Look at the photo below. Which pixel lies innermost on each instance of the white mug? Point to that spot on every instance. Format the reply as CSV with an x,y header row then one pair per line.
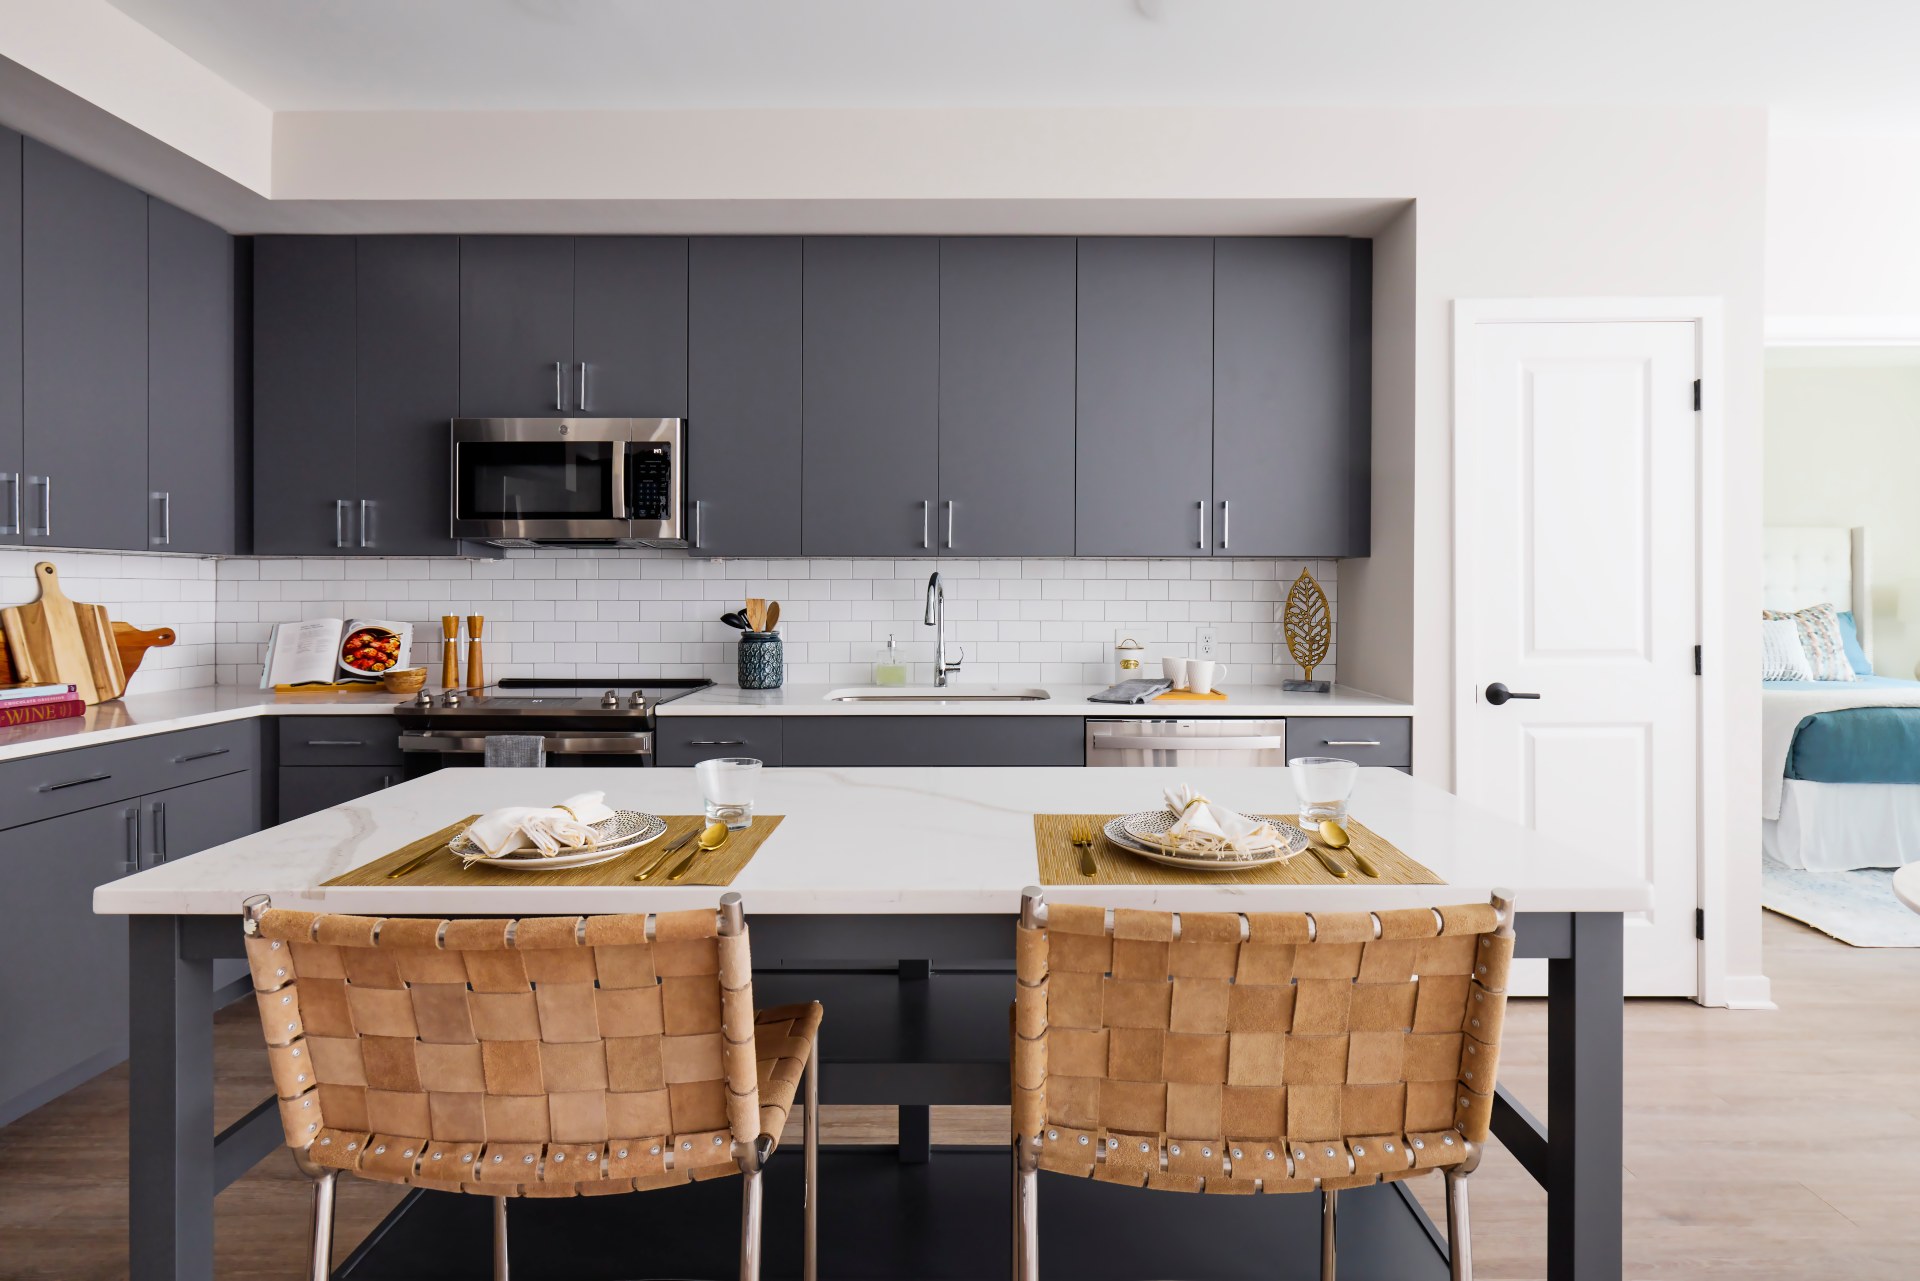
x,y
1175,670
1202,672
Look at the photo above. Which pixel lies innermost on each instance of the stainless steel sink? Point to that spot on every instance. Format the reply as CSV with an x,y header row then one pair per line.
x,y
937,694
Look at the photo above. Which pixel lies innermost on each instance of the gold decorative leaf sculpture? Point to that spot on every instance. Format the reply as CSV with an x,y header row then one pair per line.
x,y
1308,623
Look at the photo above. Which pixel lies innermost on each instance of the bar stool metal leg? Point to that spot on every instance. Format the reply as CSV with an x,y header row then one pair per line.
x,y
499,1238
750,1225
323,1190
1328,1203
1459,1233
810,1267
1026,1214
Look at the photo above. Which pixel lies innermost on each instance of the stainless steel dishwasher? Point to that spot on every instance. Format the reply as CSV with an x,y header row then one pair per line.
x,y
1200,742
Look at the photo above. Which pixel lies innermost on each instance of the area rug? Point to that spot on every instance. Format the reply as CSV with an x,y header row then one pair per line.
x,y
1854,907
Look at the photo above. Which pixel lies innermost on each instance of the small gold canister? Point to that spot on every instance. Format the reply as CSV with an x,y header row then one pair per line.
x,y
1129,660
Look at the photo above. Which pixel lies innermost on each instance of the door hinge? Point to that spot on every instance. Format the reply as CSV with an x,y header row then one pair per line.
x,y
1700,923
1696,660
1696,394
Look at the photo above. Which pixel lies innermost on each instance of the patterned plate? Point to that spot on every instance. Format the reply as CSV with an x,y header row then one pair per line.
x,y
625,832
1294,842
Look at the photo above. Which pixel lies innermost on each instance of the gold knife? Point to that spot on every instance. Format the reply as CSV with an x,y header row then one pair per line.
x,y
412,863
687,862
1326,861
665,854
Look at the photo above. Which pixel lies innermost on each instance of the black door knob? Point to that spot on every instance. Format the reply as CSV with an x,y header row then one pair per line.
x,y
1498,694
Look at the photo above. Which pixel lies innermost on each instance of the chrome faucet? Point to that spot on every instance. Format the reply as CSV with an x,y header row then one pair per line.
x,y
937,619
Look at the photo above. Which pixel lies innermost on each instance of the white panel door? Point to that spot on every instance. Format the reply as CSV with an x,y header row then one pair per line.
x,y
1578,566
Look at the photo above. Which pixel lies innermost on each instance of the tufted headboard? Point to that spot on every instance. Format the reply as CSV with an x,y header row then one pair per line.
x,y
1816,565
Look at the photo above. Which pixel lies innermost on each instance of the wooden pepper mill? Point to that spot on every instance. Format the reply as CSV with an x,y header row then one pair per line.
x,y
449,651
476,667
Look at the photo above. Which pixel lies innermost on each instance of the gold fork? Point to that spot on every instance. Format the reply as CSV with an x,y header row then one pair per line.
x,y
1081,834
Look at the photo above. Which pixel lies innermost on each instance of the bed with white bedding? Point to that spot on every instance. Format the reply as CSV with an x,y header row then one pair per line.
x,y
1841,758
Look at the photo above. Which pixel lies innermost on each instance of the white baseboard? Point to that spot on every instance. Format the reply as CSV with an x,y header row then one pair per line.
x,y
1749,992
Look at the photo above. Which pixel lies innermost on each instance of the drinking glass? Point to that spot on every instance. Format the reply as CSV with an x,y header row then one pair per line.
x,y
1324,785
726,783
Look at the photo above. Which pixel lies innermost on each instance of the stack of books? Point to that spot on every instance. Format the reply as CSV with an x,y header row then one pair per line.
x,y
30,704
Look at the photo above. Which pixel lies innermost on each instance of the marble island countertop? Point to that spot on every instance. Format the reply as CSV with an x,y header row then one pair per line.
x,y
886,841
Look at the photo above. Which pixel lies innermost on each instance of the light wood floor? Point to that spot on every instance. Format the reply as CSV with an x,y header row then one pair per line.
x,y
1758,1146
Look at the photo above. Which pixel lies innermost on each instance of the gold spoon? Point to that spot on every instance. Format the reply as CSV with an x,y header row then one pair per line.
x,y
1336,838
712,838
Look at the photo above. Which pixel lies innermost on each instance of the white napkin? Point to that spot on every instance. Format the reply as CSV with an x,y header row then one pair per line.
x,y
1202,825
548,829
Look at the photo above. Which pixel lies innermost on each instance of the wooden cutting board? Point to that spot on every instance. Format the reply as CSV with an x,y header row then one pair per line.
x,y
61,641
133,644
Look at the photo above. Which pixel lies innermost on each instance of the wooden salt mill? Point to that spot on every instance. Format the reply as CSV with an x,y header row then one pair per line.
x,y
449,651
476,667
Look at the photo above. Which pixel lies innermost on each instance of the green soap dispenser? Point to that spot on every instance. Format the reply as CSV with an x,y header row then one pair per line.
x,y
892,668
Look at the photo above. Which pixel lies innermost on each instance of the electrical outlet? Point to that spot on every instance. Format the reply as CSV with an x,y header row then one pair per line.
x,y
1208,641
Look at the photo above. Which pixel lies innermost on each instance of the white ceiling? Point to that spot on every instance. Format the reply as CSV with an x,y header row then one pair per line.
x,y
1843,65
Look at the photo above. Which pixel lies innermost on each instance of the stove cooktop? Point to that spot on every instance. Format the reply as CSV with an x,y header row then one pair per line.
x,y
569,699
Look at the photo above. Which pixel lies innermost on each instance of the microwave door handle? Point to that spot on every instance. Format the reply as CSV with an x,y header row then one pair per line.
x,y
622,509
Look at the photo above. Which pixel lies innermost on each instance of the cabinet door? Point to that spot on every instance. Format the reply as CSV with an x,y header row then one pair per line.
x,y
408,345
871,395
1006,396
12,443
192,447
304,479
185,820
629,327
848,742
64,1003
1291,408
84,260
308,789
743,395
1144,455
688,740
516,326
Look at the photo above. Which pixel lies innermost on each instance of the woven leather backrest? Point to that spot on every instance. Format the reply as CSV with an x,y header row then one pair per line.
x,y
562,1054
1281,1051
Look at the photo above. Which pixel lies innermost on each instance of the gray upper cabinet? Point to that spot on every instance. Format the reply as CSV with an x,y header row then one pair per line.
x,y
1291,406
305,483
1144,458
629,327
192,447
84,310
12,441
871,395
408,378
744,371
1007,321
516,326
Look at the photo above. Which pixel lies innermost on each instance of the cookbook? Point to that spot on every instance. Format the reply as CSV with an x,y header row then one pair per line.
x,y
329,651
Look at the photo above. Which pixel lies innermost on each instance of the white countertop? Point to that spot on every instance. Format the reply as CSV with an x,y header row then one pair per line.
x,y
160,713
1066,700
888,841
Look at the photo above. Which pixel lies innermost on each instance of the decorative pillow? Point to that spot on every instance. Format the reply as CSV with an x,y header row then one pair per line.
x,y
1820,638
1781,658
1850,636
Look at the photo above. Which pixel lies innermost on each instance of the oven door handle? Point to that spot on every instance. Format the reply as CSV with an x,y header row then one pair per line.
x,y
612,744
1153,743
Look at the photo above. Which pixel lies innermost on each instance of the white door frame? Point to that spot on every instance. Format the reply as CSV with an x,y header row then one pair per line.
x,y
1706,315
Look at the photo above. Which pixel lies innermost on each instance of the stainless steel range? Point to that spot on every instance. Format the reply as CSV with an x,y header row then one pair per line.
x,y
581,720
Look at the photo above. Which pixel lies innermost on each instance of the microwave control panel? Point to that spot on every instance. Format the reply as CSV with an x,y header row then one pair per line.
x,y
650,482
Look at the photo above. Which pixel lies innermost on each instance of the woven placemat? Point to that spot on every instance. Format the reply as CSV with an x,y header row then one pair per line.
x,y
1060,862
442,867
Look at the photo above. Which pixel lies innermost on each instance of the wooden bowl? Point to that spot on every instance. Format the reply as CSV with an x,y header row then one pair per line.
x,y
404,680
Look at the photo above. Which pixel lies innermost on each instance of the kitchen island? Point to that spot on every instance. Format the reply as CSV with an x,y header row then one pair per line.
x,y
890,896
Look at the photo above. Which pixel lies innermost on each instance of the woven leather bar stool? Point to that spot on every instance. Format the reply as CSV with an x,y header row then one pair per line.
x,y
1256,1053
544,1057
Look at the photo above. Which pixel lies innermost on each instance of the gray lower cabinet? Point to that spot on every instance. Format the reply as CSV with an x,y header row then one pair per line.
x,y
855,741
84,317
689,740
1144,457
185,820
192,441
870,395
1291,403
1365,740
1007,324
12,441
308,789
743,395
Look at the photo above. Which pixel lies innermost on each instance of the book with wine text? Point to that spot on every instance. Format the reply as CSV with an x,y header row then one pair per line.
x,y
12,715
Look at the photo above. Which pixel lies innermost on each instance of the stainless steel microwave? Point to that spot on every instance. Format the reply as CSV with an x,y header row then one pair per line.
x,y
570,482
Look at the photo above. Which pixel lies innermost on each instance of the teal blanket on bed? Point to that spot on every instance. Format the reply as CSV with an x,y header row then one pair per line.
x,y
1858,744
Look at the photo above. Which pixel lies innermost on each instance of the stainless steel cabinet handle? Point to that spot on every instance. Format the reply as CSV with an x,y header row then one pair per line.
x,y
696,525
926,524
366,522
132,862
336,742
13,502
1145,742
716,742
339,522
949,524
165,500
202,756
1349,742
73,782
159,831
1201,508
559,384
46,507
581,403
1226,529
